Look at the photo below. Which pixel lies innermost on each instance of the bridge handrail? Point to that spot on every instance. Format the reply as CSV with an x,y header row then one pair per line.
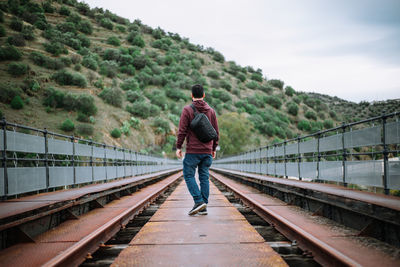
x,y
46,160
351,153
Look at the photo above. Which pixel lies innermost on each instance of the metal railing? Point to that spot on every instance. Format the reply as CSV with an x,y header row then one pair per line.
x,y
45,160
364,153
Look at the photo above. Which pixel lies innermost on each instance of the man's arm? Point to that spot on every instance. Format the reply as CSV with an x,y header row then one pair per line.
x,y
182,131
214,123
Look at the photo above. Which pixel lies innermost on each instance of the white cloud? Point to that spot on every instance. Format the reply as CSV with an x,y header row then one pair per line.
x,y
329,49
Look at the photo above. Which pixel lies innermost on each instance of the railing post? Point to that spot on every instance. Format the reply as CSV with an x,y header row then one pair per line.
x,y
115,163
124,162
318,155
105,160
91,158
284,158
260,159
299,157
266,156
4,122
46,158
344,155
275,160
385,157
73,160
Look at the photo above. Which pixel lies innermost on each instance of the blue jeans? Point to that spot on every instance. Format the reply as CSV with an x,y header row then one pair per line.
x,y
203,162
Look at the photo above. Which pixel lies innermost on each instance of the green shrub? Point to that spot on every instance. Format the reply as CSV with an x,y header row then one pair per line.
x,y
241,77
2,31
8,92
47,7
332,114
316,126
45,61
292,108
289,91
304,125
77,67
309,101
85,129
106,23
67,125
130,84
217,56
82,117
64,11
161,125
99,83
17,103
111,54
175,94
213,74
16,24
135,123
85,104
140,61
89,62
328,124
226,85
55,48
276,83
274,101
17,69
10,52
133,96
252,85
297,100
17,40
113,40
27,33
140,109
257,77
85,26
121,28
116,133
63,77
1,14
112,96
310,115
109,68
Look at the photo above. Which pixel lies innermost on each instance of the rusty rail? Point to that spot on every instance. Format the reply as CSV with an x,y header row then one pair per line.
x,y
323,253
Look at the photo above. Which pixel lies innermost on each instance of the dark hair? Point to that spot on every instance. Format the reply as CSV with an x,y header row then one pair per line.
x,y
197,91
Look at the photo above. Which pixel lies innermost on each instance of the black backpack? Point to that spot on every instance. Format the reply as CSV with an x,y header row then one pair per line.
x,y
202,128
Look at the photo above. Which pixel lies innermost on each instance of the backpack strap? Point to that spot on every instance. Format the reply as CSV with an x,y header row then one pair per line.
x,y
194,109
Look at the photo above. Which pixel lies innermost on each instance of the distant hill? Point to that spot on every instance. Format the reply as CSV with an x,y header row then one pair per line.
x,y
92,73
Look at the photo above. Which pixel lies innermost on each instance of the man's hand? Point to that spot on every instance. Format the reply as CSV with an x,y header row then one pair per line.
x,y
179,153
214,153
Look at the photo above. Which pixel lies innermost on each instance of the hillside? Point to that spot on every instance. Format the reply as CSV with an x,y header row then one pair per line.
x,y
91,73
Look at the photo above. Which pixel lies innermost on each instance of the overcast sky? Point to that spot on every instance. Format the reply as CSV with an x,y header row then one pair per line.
x,y
344,48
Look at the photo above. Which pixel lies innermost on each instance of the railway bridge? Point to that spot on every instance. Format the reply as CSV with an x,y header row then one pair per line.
x,y
326,199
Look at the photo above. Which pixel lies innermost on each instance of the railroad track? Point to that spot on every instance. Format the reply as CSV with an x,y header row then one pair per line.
x,y
328,243
116,228
70,243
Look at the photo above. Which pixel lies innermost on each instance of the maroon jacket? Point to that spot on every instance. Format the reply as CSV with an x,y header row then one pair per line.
x,y
193,145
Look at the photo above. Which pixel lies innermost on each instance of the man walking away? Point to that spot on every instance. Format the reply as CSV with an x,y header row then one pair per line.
x,y
198,154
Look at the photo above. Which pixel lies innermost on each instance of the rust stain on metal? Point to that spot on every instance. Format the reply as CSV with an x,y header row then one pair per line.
x,y
222,238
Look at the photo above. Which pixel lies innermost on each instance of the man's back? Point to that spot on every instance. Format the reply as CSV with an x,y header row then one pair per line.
x,y
193,144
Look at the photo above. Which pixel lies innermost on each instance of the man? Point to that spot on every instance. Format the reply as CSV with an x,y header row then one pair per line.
x,y
198,154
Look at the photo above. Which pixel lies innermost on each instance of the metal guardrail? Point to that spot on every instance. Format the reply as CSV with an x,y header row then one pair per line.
x,y
45,160
363,153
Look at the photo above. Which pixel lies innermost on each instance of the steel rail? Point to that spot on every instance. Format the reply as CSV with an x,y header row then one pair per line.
x,y
323,253
77,253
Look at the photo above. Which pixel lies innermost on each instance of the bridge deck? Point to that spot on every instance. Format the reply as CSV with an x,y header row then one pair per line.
x,y
222,238
64,238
